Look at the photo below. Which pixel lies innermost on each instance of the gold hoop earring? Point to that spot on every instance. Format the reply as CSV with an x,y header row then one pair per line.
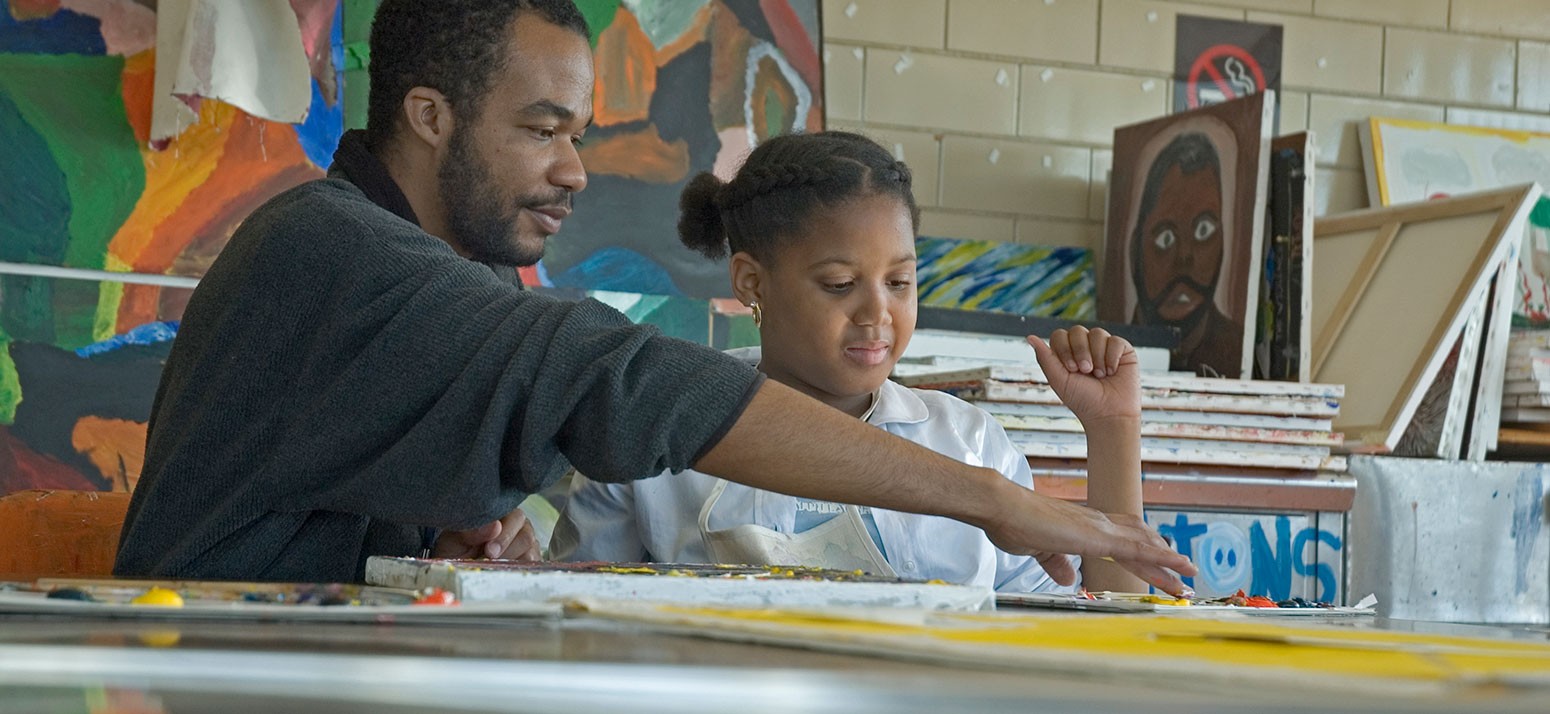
x,y
758,314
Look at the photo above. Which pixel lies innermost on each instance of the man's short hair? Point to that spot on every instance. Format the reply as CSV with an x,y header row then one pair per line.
x,y
452,46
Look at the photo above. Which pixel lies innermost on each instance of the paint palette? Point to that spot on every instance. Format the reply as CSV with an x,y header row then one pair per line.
x,y
476,581
1143,602
328,602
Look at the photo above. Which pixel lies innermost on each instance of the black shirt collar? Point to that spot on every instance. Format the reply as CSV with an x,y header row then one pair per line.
x,y
354,162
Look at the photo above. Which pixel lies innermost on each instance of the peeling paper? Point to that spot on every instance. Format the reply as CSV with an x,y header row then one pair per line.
x,y
248,54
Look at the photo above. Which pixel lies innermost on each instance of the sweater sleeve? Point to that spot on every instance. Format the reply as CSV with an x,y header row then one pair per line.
x,y
427,391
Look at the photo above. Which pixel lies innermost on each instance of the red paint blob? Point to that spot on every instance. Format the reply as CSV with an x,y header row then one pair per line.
x,y
437,596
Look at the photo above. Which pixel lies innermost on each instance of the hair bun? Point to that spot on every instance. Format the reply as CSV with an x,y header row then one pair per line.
x,y
699,216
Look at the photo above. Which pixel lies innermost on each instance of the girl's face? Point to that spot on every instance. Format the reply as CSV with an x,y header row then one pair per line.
x,y
839,302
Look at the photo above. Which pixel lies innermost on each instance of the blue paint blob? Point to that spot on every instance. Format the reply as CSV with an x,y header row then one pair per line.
x,y
150,333
619,269
62,33
319,133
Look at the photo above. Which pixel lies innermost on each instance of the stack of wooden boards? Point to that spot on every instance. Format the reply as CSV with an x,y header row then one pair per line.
x,y
1184,420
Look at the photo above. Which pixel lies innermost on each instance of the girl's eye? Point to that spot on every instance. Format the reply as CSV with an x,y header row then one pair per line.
x,y
838,287
1204,228
900,284
1165,239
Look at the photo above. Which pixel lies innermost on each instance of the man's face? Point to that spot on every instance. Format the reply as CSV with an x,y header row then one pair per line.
x,y
510,171
1181,244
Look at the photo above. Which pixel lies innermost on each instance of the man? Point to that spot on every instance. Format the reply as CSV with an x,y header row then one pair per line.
x,y
1176,256
359,375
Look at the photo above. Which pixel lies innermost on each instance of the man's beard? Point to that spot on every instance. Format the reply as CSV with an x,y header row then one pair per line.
x,y
1150,314
481,222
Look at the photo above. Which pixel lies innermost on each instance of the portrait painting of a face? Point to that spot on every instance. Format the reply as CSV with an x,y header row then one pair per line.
x,y
1185,224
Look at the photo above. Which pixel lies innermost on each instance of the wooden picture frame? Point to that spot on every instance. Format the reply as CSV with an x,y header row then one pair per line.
x,y
1393,287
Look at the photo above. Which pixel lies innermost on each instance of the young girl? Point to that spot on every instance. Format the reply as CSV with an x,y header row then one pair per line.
x,y
821,230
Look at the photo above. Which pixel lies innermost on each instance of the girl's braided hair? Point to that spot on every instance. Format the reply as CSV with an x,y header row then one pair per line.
x,y
783,182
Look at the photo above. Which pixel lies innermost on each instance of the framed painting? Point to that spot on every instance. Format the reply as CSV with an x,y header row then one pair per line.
x,y
1185,230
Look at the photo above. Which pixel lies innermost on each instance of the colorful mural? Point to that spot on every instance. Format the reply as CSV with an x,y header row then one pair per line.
x,y
81,188
1042,281
683,86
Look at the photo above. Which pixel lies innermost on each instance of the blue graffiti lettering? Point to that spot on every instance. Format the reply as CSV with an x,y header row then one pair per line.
x,y
1309,564
1183,534
1272,566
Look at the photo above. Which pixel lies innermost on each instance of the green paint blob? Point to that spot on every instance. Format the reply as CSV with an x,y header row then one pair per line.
x,y
664,22
109,297
599,15
1540,216
10,383
775,120
75,103
34,195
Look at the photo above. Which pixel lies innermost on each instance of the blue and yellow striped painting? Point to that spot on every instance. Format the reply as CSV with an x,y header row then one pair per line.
x,y
1042,281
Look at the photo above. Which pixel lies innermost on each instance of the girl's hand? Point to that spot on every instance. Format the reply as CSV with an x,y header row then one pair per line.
x,y
1096,374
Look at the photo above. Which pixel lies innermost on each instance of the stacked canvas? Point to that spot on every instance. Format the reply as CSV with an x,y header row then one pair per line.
x,y
1526,395
1184,420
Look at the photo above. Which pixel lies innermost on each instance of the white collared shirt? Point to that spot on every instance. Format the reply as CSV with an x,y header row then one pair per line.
x,y
655,519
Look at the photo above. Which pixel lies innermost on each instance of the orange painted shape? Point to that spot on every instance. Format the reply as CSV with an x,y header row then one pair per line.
x,y
171,175
60,533
139,305
115,446
626,73
139,78
730,44
255,152
33,9
641,155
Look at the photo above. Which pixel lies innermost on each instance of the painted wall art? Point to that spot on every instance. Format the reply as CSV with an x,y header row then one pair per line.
x,y
82,189
1185,230
1041,281
683,86
1417,161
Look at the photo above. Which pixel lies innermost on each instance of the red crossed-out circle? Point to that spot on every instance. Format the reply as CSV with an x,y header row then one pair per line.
x,y
1205,67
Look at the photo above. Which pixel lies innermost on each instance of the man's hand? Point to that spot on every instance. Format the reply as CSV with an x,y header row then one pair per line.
x,y
1095,374
510,538
1046,528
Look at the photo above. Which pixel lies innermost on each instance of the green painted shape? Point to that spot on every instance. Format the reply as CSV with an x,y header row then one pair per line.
x,y
775,121
681,317
34,194
76,104
27,308
665,21
109,297
357,19
739,331
357,96
10,383
75,310
1540,216
599,15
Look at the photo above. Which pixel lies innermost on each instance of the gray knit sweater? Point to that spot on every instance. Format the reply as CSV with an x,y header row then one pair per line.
x,y
343,382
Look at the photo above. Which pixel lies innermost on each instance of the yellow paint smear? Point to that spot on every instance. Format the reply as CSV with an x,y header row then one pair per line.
x,y
171,175
1230,643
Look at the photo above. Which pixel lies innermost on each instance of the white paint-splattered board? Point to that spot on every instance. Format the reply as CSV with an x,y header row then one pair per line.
x,y
743,586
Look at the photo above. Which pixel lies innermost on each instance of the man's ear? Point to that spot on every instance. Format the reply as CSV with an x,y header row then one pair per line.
x,y
749,278
429,116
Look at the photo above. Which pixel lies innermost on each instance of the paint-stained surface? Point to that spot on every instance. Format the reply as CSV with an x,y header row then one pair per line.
x,y
1042,281
683,86
81,188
